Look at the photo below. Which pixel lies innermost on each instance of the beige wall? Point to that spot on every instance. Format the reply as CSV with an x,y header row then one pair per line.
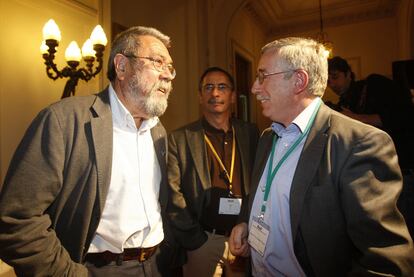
x,y
24,87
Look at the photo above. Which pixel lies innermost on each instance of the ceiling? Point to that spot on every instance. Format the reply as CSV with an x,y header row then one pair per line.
x,y
280,17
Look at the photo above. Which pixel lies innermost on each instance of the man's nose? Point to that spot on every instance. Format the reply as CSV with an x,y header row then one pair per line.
x,y
167,75
215,92
255,87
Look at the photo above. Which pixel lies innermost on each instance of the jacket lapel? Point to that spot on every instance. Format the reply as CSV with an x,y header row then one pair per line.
x,y
198,151
308,165
160,144
101,128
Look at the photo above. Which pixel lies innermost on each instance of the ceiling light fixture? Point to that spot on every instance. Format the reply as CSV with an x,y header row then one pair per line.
x,y
322,36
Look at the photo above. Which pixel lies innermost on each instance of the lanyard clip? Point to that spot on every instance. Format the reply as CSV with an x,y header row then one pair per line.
x,y
261,217
262,211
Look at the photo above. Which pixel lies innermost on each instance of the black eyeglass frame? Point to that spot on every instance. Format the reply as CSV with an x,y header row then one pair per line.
x,y
158,64
261,76
222,87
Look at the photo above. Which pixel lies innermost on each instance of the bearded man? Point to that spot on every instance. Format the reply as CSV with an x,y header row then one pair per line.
x,y
86,189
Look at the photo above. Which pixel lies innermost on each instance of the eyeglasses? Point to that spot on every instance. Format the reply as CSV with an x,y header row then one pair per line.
x,y
158,64
261,76
209,88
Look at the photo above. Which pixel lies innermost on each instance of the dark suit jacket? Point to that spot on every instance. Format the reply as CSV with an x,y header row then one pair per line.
x,y
56,186
343,200
189,177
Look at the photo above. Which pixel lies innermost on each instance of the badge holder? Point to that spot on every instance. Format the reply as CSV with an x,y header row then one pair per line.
x,y
258,235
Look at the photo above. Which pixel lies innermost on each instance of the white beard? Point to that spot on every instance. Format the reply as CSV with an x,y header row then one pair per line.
x,y
148,98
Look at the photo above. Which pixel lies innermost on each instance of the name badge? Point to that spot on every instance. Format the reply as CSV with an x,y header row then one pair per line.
x,y
230,206
258,234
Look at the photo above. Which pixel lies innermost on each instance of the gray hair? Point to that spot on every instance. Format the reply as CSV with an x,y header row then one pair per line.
x,y
127,42
306,54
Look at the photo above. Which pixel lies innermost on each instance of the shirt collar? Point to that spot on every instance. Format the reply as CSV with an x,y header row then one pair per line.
x,y
300,122
122,118
211,129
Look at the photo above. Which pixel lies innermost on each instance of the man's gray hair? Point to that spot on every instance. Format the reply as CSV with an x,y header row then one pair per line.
x,y
306,54
127,42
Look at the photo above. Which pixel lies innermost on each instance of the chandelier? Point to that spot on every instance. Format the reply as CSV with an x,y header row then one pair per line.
x,y
322,36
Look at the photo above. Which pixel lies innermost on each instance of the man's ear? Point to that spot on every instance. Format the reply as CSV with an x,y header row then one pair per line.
x,y
301,80
120,66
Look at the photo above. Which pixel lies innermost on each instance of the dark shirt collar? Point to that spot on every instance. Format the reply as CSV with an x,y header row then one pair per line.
x,y
210,129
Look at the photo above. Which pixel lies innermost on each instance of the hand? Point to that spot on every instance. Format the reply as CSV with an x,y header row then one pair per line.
x,y
238,240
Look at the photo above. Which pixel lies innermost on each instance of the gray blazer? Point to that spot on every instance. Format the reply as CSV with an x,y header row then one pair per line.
x,y
189,177
55,189
343,200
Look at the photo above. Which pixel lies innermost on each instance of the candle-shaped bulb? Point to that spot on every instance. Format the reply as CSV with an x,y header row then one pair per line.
x,y
73,53
51,31
44,48
87,49
98,36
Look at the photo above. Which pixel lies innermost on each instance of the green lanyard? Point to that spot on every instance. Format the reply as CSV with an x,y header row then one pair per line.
x,y
272,173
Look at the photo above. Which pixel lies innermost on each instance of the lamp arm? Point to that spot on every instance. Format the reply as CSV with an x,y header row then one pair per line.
x,y
74,75
52,71
98,68
84,74
71,72
51,68
49,60
70,87
99,49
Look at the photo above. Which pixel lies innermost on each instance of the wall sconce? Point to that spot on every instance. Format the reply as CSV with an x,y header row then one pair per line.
x,y
91,49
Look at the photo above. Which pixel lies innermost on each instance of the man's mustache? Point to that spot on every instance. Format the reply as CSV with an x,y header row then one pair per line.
x,y
164,86
215,101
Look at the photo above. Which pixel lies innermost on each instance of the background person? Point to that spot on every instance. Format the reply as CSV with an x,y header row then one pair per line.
x,y
209,167
381,102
